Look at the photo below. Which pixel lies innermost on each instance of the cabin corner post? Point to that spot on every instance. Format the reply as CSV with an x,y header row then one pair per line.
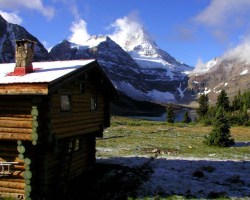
x,y
27,174
35,122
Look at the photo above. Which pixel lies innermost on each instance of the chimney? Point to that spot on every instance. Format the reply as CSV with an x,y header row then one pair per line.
x,y
24,57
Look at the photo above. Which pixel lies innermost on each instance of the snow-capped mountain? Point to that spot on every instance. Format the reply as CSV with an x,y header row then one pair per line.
x,y
155,84
9,33
147,54
232,75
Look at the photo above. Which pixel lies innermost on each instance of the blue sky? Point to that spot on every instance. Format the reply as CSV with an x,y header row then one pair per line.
x,y
190,30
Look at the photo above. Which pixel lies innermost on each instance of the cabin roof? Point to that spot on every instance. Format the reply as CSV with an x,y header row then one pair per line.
x,y
43,72
47,77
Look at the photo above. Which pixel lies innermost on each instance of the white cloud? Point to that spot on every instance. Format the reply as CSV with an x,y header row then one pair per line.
x,y
224,17
36,5
79,32
240,52
224,12
11,17
127,27
199,65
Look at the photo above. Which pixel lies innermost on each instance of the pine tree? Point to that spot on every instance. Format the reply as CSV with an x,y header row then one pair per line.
x,y
223,101
236,103
186,118
203,105
170,114
220,135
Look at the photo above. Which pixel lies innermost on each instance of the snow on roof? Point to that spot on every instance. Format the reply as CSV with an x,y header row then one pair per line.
x,y
43,72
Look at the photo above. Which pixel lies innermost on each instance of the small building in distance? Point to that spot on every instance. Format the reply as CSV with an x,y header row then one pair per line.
x,y
50,114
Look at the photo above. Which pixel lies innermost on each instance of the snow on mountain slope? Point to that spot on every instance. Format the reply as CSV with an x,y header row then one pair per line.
x,y
154,83
231,75
143,49
204,68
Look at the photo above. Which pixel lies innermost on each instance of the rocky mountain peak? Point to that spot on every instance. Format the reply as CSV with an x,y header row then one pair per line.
x,y
9,33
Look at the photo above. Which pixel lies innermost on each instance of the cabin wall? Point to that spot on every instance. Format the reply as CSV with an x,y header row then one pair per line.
x,y
80,124
80,119
15,118
16,125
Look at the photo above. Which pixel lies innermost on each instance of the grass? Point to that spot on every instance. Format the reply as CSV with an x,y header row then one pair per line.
x,y
127,137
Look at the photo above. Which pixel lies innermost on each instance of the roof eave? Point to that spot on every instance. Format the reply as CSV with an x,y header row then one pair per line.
x,y
24,89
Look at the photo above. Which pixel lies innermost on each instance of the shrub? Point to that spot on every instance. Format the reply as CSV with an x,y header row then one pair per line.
x,y
170,114
220,135
198,174
186,118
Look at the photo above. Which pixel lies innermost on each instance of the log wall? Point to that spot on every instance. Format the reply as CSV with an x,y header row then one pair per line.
x,y
80,119
15,118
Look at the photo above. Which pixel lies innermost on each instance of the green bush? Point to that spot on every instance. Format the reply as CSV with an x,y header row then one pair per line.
x,y
220,135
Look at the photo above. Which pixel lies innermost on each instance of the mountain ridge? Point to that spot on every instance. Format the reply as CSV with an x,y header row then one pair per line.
x,y
11,32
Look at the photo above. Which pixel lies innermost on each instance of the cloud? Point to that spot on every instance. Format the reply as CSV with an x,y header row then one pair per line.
x,y
79,32
221,12
240,52
184,33
11,17
199,65
36,5
126,28
221,16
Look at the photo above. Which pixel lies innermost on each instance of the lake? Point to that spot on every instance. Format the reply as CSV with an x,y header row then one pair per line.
x,y
179,113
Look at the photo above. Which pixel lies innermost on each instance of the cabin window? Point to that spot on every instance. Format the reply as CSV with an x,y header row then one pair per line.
x,y
74,144
82,88
65,103
93,103
77,144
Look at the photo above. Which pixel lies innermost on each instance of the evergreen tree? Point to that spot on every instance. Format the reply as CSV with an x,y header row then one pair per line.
x,y
223,101
170,114
220,135
236,103
186,118
203,105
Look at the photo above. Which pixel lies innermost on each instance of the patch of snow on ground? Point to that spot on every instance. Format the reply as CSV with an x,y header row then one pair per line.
x,y
176,175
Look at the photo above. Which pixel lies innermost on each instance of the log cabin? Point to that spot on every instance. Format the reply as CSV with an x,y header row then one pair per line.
x,y
50,115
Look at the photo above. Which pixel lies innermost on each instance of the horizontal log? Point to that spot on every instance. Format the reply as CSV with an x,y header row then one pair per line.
x,y
15,117
15,136
25,88
17,174
11,179
15,124
72,129
76,122
8,116
14,185
75,133
15,130
10,190
8,148
8,158
59,117
16,104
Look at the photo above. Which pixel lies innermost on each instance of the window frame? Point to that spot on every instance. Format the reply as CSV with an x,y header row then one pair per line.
x,y
65,103
93,103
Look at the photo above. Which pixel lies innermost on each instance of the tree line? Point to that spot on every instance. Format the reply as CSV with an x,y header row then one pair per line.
x,y
236,110
222,116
